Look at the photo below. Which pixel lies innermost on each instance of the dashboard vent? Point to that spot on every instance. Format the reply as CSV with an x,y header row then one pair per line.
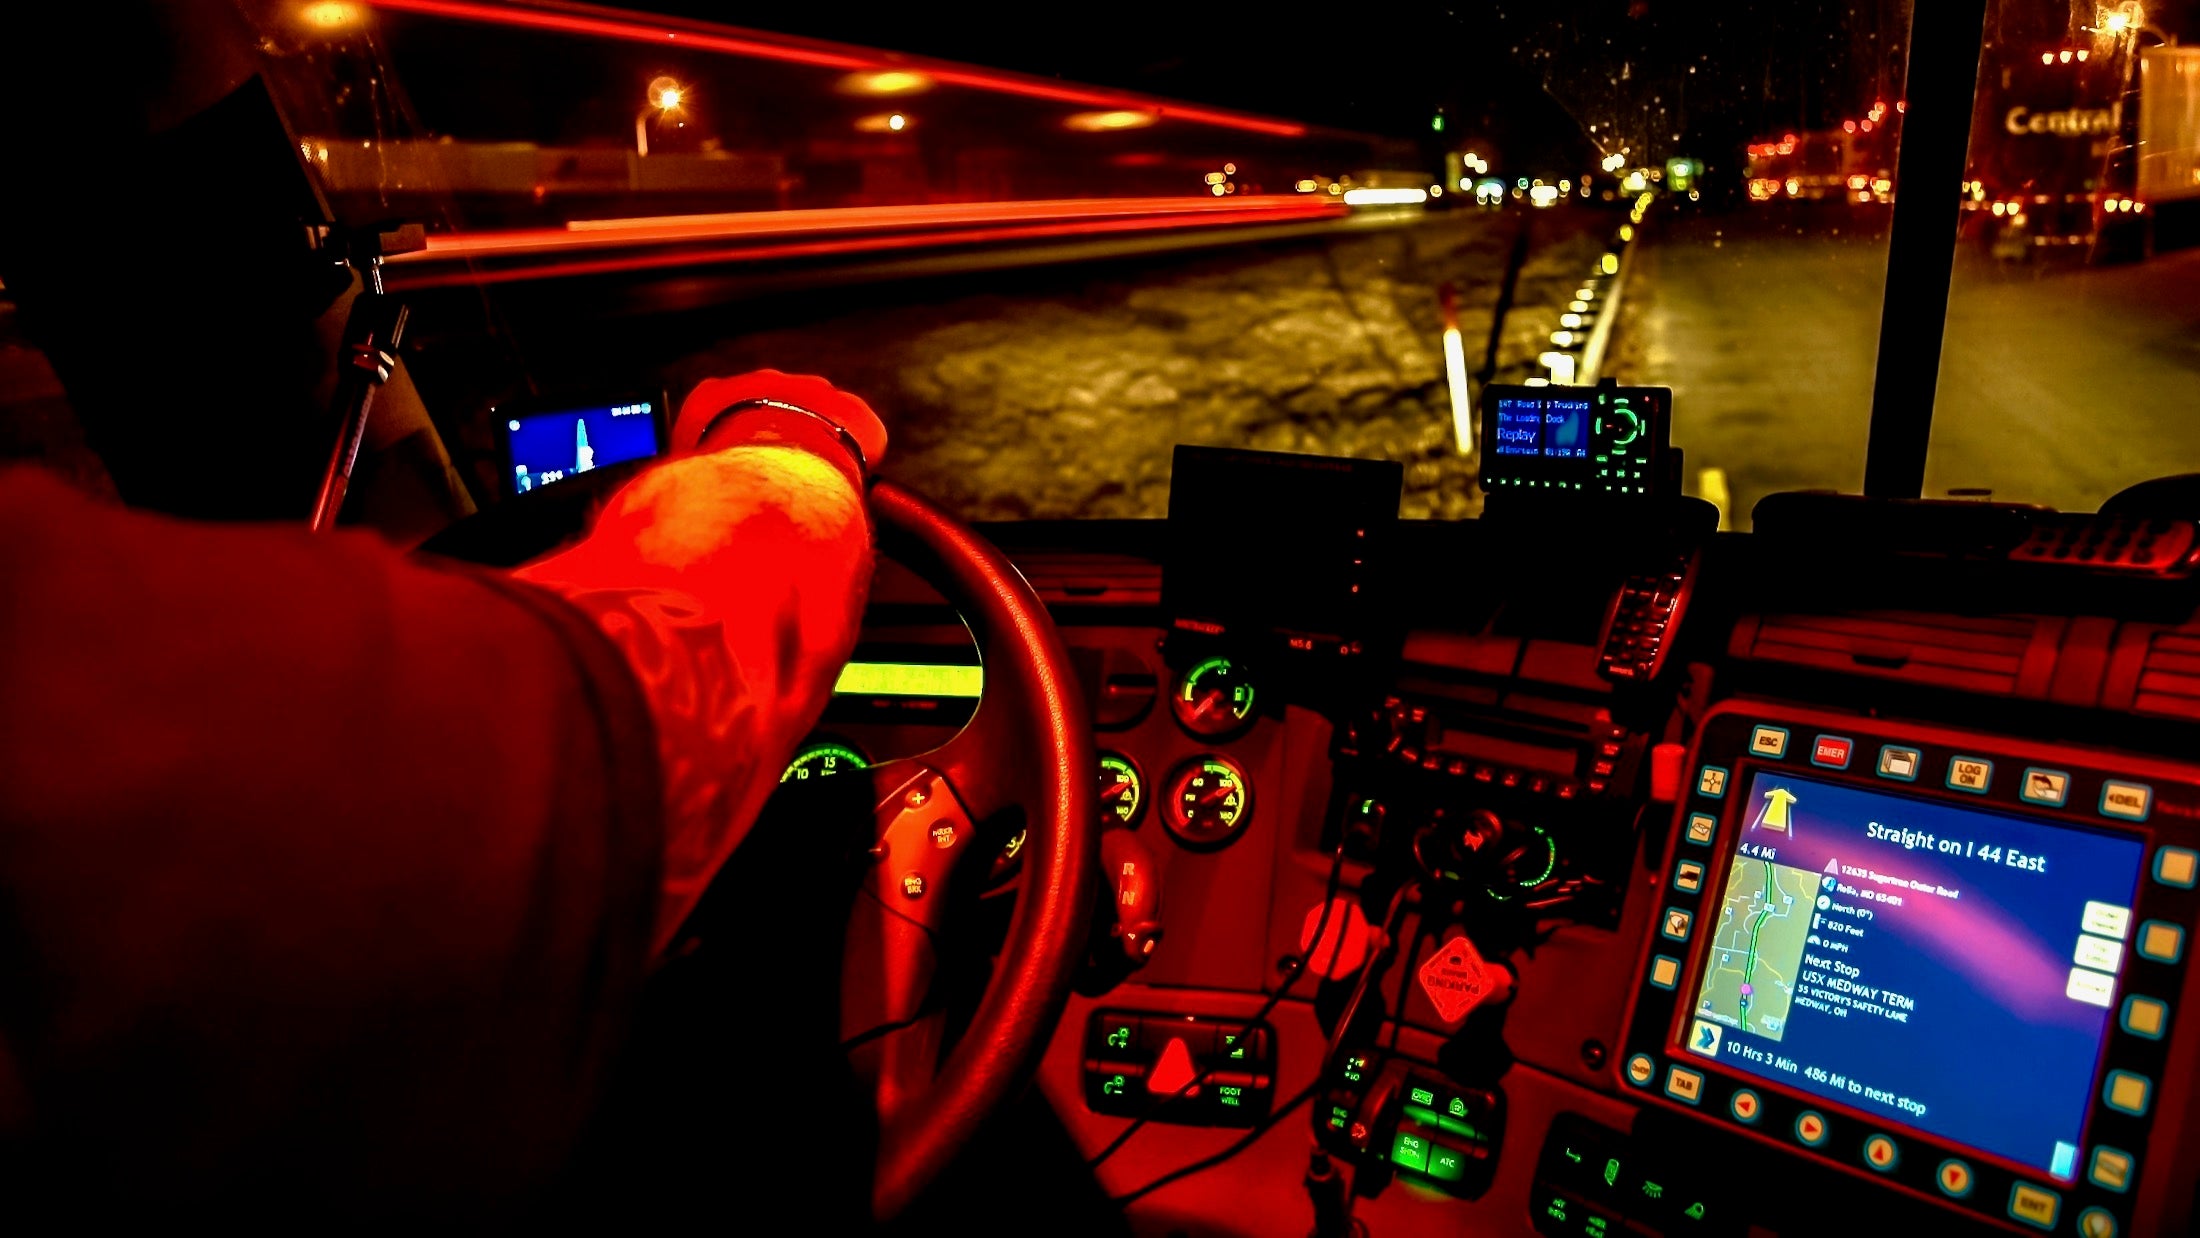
x,y
1092,580
2169,677
1986,655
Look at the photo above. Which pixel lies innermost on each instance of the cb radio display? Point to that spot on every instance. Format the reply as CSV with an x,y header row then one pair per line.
x,y
1606,441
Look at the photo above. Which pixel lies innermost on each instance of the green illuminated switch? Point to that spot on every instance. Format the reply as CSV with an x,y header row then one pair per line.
x,y
1446,1164
1411,1151
1113,1036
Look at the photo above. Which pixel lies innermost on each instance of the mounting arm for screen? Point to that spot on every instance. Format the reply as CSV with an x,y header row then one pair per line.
x,y
367,355
1946,38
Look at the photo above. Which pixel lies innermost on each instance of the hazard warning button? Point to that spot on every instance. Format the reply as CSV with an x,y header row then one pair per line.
x,y
1457,979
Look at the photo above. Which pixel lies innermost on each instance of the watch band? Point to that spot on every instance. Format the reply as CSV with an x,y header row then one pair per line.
x,y
847,440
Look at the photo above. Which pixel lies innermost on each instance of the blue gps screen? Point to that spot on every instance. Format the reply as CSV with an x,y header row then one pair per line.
x,y
1566,428
1519,427
1555,426
1950,968
548,447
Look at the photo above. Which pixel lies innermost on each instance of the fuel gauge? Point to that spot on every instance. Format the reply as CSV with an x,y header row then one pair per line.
x,y
1214,700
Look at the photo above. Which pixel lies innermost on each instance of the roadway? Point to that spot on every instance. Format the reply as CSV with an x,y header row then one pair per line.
x,y
2060,384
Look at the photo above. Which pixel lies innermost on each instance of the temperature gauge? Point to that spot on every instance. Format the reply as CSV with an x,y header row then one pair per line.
x,y
1214,700
1122,791
1207,802
823,758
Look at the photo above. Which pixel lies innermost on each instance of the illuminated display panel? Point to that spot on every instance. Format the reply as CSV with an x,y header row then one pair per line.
x,y
546,447
925,679
1939,966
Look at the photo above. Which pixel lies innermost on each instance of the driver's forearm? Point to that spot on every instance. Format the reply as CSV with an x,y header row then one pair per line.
x,y
734,584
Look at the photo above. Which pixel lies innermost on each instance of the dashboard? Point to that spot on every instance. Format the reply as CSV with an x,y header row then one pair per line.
x,y
1611,874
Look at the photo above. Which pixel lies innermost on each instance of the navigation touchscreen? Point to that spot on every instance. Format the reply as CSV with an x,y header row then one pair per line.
x,y
1952,969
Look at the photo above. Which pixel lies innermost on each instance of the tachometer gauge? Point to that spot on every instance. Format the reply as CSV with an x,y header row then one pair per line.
x,y
1122,791
1207,802
1214,699
823,758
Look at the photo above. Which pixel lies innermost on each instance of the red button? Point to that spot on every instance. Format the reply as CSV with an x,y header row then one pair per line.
x,y
1831,750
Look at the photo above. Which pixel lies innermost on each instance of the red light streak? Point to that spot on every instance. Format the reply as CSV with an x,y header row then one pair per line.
x,y
608,24
1237,215
758,225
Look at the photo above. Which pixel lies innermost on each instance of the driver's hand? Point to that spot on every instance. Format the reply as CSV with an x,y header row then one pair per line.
x,y
700,426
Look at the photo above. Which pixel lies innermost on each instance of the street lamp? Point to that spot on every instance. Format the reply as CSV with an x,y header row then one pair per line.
x,y
664,99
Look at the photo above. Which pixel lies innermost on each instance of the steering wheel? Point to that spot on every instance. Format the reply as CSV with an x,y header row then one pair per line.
x,y
1028,746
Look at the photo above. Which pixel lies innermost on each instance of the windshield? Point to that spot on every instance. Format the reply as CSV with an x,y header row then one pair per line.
x,y
1048,262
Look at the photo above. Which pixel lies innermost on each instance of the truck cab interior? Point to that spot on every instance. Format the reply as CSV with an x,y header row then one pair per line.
x,y
1265,846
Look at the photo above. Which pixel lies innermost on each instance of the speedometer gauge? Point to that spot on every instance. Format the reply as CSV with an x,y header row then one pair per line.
x,y
1207,802
823,758
1122,791
1214,699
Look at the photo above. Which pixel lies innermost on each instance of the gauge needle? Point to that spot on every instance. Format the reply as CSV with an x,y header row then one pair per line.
x,y
1213,795
1115,790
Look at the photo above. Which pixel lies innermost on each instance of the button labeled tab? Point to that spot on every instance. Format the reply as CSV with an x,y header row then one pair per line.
x,y
2128,801
1701,828
1688,876
1711,782
2034,1205
1973,774
1684,1085
1831,751
2044,786
1899,763
1768,741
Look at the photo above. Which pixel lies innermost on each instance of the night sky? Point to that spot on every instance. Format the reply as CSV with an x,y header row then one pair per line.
x,y
1656,74
1662,76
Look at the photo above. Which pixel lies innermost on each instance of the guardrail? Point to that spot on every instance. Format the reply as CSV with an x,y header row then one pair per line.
x,y
1576,355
